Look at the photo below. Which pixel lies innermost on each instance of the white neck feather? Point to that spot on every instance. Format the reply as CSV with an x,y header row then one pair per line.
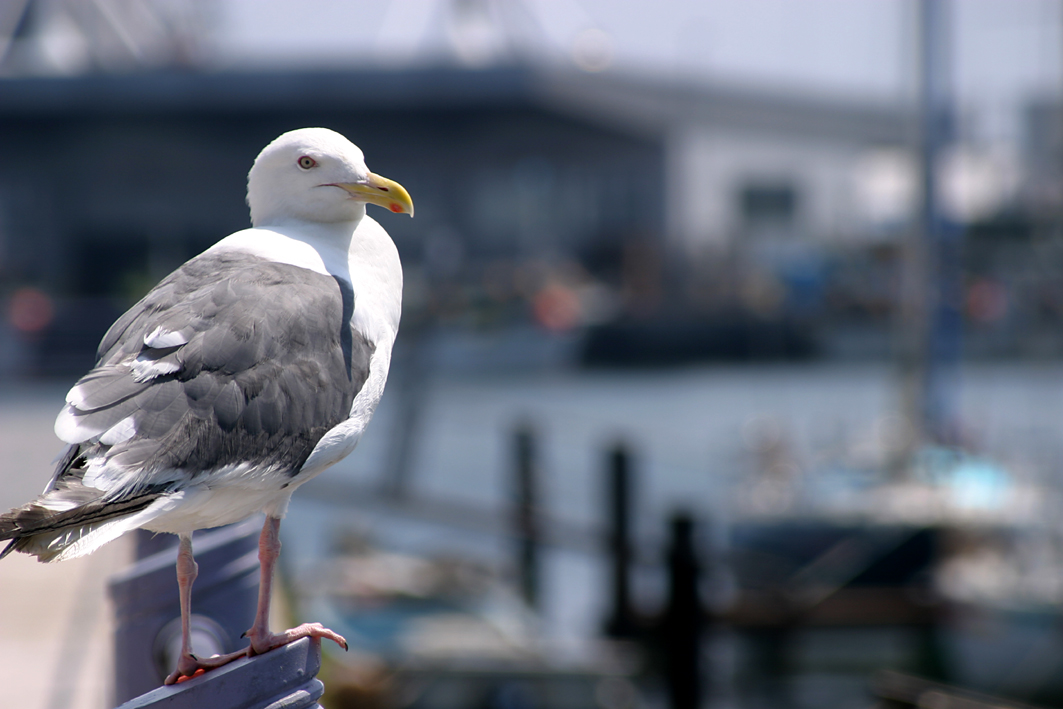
x,y
360,253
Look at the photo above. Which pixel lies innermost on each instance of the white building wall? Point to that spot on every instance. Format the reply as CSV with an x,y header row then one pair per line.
x,y
708,166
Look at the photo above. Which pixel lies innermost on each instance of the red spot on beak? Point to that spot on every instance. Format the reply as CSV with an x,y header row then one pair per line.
x,y
397,208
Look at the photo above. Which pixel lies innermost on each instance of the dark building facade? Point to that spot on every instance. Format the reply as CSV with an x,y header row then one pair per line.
x,y
108,179
109,182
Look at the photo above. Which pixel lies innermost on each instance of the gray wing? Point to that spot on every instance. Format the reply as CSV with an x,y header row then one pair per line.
x,y
231,359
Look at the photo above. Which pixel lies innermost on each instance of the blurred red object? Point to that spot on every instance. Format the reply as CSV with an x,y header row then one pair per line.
x,y
557,308
30,310
987,300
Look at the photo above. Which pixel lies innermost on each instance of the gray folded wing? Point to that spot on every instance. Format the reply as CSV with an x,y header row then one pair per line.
x,y
231,359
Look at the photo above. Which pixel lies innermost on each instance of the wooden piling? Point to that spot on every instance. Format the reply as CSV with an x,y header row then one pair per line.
x,y
684,618
621,621
526,494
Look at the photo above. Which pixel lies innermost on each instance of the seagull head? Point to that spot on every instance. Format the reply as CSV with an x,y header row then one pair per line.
x,y
317,175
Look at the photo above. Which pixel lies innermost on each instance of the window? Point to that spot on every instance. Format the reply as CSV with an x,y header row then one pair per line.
x,y
771,206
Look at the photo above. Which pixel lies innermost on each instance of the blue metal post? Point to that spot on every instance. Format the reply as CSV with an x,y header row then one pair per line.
x,y
285,678
147,610
942,236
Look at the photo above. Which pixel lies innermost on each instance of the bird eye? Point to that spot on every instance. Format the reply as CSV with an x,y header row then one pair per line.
x,y
306,162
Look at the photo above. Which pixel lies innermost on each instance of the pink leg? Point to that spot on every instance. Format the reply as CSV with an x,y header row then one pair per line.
x,y
188,664
262,640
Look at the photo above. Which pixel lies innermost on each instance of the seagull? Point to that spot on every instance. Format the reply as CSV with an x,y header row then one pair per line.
x,y
242,375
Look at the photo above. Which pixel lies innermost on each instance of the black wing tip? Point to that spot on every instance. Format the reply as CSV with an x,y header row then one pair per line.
x,y
12,546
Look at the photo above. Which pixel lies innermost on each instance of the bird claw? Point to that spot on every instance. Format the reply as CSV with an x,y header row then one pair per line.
x,y
190,666
263,643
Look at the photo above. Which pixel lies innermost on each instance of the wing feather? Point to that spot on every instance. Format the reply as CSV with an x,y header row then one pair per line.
x,y
231,359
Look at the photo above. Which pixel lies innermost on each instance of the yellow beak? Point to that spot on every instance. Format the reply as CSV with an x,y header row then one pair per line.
x,y
382,192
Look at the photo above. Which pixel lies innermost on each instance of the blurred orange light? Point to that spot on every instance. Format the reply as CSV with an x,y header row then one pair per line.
x,y
30,310
987,301
557,308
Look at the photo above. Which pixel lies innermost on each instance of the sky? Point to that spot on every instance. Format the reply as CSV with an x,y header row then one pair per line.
x,y
1004,52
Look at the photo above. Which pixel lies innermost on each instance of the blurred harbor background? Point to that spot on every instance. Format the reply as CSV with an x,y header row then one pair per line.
x,y
797,266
